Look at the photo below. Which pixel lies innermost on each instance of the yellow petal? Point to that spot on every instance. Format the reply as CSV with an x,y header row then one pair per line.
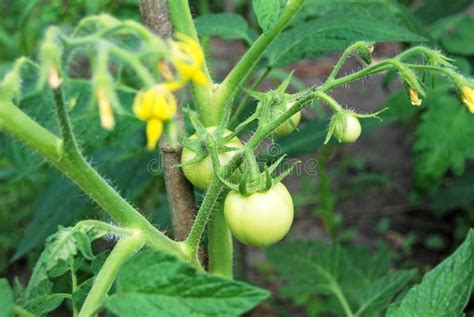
x,y
154,128
200,78
173,85
105,110
414,99
141,109
468,98
164,105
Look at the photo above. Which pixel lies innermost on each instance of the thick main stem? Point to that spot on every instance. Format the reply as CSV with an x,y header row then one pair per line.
x,y
124,249
178,189
20,126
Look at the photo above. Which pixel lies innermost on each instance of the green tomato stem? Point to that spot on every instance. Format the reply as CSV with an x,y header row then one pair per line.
x,y
21,312
124,249
243,103
341,61
194,238
20,126
252,56
69,141
220,249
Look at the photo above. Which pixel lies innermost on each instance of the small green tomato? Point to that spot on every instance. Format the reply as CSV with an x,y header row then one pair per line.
x,y
289,125
347,129
260,219
200,174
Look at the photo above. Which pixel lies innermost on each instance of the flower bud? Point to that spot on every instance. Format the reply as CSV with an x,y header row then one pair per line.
x,y
467,97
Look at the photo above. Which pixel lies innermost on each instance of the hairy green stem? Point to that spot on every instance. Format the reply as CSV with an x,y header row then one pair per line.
x,y
21,312
208,204
20,126
182,19
243,103
341,61
220,249
253,56
125,248
69,141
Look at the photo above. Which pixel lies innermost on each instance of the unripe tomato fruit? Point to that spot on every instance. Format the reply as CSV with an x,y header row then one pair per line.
x,y
260,219
289,125
200,174
348,129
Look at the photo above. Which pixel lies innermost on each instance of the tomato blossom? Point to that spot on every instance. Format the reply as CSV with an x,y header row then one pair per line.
x,y
154,105
467,96
414,98
105,109
187,58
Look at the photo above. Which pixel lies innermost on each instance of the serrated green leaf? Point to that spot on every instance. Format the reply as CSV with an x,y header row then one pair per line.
x,y
444,291
40,299
82,290
155,284
444,139
456,193
60,249
379,294
267,12
6,299
455,34
314,266
432,10
226,25
335,25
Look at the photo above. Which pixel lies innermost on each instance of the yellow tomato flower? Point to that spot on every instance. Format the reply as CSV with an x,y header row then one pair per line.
x,y
468,98
188,58
154,128
414,98
155,103
105,109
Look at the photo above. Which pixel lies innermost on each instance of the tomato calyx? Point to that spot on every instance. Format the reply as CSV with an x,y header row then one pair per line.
x,y
345,125
252,180
199,142
273,104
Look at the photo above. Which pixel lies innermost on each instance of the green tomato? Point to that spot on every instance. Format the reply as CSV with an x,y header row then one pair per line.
x,y
289,125
200,174
260,219
347,129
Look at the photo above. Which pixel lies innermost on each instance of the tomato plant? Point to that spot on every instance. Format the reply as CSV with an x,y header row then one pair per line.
x,y
136,77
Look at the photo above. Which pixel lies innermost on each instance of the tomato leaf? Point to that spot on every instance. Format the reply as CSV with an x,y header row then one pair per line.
x,y
226,25
357,274
322,27
6,299
455,34
379,294
448,147
155,284
268,12
445,291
